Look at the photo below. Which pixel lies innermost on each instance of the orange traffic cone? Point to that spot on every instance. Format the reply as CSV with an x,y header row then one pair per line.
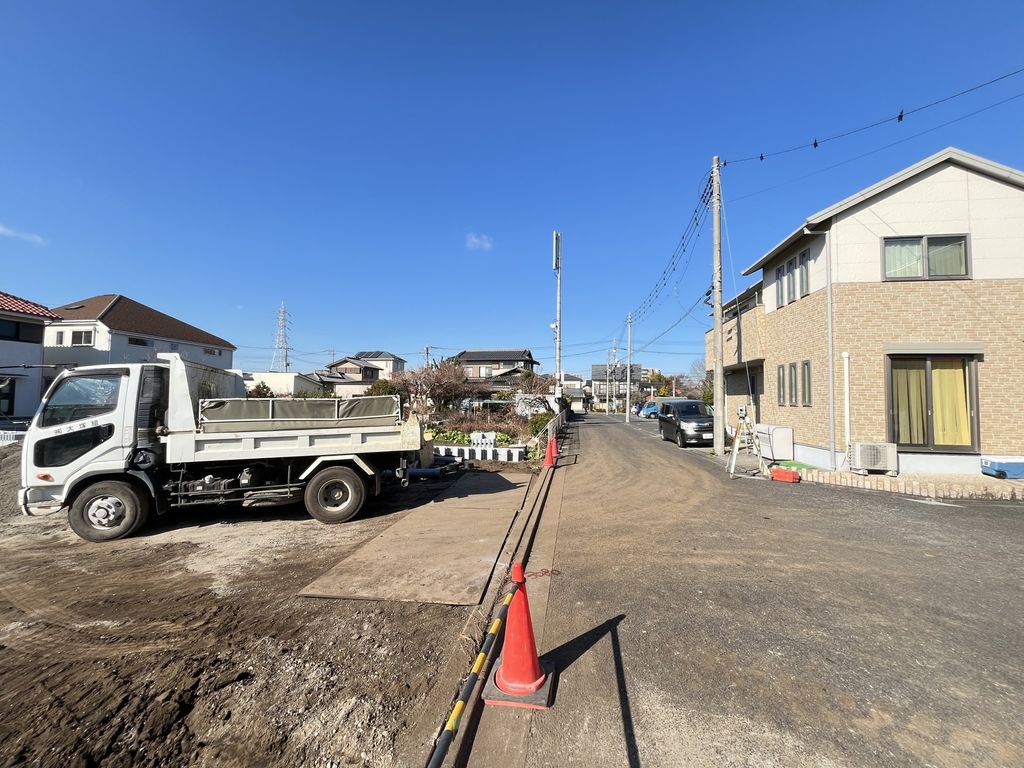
x,y
520,678
554,444
549,456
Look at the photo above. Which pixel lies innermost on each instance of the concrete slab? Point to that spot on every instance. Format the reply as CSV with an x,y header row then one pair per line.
x,y
443,552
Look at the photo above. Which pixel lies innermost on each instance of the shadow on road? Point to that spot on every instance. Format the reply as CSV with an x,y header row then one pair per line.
x,y
566,655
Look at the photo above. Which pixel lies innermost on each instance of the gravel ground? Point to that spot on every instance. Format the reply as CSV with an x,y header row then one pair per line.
x,y
187,646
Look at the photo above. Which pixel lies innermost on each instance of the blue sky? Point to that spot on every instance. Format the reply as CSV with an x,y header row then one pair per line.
x,y
393,171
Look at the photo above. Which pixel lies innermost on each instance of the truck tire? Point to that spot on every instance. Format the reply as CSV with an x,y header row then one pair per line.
x,y
108,510
334,495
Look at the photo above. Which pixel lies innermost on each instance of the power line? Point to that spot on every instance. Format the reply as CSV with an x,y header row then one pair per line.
x,y
880,149
897,118
693,226
699,300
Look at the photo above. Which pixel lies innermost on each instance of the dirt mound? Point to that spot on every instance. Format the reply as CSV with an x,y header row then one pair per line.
x,y
10,462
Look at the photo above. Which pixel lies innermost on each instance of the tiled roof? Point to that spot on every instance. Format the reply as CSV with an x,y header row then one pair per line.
x,y
377,355
119,313
11,303
494,355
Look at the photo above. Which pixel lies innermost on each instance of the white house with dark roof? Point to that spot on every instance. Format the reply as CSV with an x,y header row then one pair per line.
x,y
388,363
348,377
112,328
22,327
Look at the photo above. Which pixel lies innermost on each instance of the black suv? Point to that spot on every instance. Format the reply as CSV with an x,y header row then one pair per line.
x,y
688,422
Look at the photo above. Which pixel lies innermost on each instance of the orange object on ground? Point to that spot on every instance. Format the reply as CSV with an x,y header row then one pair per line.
x,y
785,475
549,456
520,679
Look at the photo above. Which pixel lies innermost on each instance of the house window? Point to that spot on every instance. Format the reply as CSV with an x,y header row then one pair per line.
x,y
60,338
792,383
791,281
805,273
485,370
469,371
778,288
7,397
135,341
211,352
805,382
8,329
932,403
925,258
81,338
780,384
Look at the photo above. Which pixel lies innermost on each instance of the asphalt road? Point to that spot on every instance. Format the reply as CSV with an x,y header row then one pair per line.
x,y
705,621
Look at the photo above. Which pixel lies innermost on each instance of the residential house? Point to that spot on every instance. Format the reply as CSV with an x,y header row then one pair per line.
x,y
283,382
610,381
895,315
22,327
112,328
348,377
388,363
496,367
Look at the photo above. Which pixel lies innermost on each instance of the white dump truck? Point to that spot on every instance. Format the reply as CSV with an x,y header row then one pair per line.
x,y
116,443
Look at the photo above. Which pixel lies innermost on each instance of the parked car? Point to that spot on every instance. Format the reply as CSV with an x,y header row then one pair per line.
x,y
649,411
687,422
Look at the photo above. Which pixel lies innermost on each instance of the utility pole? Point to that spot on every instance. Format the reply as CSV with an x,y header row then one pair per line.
x,y
426,355
556,265
629,363
716,286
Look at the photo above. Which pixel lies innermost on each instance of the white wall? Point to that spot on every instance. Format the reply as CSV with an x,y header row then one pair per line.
x,y
946,200
113,347
28,381
280,382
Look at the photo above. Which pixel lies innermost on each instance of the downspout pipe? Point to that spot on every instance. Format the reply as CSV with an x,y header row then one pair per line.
x,y
846,402
831,344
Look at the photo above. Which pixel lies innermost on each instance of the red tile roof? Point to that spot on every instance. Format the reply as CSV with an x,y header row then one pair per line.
x,y
11,303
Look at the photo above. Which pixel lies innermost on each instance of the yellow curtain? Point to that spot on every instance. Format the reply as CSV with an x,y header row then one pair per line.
x,y
950,418
908,397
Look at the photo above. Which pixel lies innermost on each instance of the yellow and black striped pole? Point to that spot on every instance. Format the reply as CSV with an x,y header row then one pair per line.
x,y
451,727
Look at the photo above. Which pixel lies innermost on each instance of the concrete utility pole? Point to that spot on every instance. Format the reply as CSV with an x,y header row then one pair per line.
x,y
426,355
629,364
716,286
556,264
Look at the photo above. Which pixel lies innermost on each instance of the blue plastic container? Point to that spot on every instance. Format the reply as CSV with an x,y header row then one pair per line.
x,y
1012,469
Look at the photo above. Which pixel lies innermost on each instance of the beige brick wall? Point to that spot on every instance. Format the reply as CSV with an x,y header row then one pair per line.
x,y
991,312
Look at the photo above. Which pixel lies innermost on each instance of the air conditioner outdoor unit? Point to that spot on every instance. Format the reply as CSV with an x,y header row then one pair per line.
x,y
873,456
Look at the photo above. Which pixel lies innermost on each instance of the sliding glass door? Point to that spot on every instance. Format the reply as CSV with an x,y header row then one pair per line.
x,y
932,403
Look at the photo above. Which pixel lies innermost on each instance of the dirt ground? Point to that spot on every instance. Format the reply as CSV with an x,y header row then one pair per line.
x,y
187,646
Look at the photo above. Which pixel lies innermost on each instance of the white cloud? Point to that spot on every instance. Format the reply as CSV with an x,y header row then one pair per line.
x,y
481,242
28,237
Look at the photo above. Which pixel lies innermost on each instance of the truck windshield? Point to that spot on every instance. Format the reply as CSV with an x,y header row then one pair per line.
x,y
81,397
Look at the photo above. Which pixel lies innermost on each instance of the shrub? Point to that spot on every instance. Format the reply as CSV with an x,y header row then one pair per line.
x,y
261,390
383,387
537,423
451,437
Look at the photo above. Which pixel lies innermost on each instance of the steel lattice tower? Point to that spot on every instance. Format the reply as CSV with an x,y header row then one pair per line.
x,y
281,342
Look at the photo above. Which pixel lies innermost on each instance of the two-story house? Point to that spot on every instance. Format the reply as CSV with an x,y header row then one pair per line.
x,y
388,363
347,377
895,315
111,328
496,367
22,326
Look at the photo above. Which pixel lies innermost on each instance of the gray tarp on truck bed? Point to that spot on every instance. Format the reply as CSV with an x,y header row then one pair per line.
x,y
237,415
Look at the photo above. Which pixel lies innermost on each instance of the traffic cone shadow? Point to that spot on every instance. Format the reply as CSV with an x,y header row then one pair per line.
x,y
520,678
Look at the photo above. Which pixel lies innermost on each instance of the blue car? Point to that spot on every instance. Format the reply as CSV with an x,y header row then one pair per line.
x,y
649,411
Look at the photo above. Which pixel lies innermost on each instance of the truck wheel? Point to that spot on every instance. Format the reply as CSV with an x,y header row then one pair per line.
x,y
334,495
108,510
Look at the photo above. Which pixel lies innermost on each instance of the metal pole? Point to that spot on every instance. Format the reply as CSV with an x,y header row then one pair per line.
x,y
608,383
557,264
716,285
629,363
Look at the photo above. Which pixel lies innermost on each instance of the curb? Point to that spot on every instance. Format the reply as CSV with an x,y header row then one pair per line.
x,y
942,490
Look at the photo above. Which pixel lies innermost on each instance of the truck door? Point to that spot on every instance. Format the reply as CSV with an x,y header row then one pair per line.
x,y
81,424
